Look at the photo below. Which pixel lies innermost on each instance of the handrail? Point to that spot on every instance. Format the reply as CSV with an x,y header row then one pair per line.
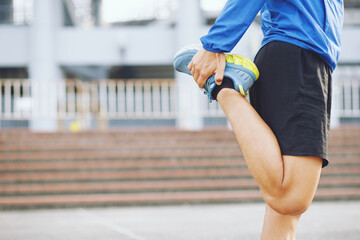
x,y
132,99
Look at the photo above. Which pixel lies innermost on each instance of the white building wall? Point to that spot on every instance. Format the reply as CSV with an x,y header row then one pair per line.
x,y
143,45
14,46
350,51
154,44
131,45
121,45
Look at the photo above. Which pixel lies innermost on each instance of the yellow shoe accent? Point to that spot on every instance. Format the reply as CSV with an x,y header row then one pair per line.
x,y
243,61
242,90
239,60
229,58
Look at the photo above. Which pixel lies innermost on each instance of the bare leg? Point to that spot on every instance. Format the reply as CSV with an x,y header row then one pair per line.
x,y
257,142
278,226
288,183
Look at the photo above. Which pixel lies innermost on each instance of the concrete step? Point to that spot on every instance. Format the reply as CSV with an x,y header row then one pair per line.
x,y
349,133
158,198
13,166
170,153
148,167
176,173
170,141
155,186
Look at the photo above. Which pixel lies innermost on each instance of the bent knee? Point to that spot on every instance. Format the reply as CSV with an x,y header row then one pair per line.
x,y
292,208
301,177
289,206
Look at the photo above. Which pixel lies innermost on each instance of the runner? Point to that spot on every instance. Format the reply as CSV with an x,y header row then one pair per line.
x,y
283,133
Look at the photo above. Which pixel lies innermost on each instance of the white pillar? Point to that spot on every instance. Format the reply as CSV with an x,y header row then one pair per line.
x,y
335,107
188,31
43,69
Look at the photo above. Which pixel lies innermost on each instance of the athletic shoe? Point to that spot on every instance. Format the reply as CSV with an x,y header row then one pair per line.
x,y
240,70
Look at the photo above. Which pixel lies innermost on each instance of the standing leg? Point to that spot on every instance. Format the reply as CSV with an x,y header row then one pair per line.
x,y
278,226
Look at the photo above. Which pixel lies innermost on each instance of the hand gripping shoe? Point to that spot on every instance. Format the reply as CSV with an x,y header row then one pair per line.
x,y
240,70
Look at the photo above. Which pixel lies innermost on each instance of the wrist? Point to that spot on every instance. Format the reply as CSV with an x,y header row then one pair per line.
x,y
209,49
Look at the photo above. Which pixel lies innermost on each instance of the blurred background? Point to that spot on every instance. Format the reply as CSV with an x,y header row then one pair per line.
x,y
90,64
92,112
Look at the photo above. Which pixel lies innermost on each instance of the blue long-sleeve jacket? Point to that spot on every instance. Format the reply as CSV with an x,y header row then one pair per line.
x,y
311,24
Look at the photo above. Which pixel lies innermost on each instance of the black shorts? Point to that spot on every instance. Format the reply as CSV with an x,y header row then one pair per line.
x,y
293,96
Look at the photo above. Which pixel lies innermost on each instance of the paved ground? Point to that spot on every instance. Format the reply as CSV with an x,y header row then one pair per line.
x,y
324,220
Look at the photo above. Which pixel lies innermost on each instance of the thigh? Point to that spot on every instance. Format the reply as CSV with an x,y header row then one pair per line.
x,y
301,177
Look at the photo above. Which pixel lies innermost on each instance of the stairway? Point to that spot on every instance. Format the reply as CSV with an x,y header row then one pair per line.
x,y
166,166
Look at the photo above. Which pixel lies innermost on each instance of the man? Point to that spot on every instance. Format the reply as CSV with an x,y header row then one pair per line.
x,y
283,133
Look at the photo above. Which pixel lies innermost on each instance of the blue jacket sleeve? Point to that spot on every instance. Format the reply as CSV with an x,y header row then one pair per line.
x,y
231,25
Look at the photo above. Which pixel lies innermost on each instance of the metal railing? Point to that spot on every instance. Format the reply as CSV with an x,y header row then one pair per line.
x,y
103,99
16,12
131,99
349,98
117,99
15,100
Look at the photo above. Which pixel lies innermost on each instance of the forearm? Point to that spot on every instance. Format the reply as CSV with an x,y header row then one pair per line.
x,y
230,26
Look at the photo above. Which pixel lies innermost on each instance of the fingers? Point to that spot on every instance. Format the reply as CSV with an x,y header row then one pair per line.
x,y
204,64
201,79
219,72
190,66
199,74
